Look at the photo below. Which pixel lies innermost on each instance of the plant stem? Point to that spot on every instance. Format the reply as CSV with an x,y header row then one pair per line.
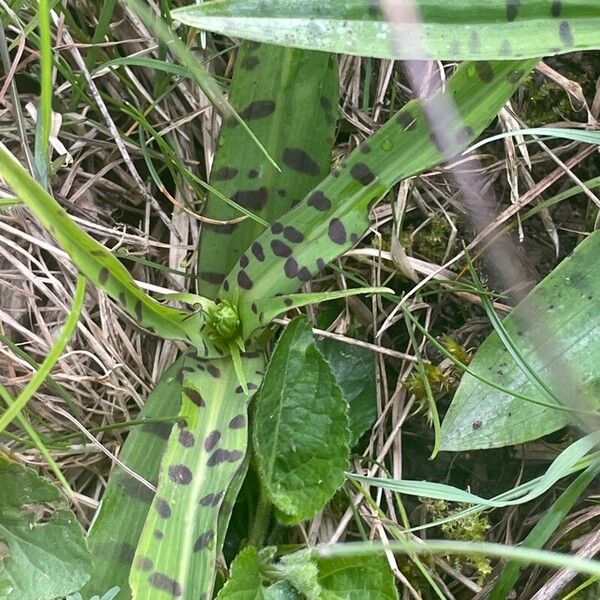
x,y
261,520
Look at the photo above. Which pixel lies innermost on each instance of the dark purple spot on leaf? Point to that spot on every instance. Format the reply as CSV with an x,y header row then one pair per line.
x,y
304,274
212,277
238,422
244,261
158,534
103,275
258,109
337,231
512,8
180,474
221,455
280,248
213,370
161,429
163,508
566,35
134,488
484,71
365,148
321,264
138,310
253,308
164,583
252,173
204,540
277,227
291,234
319,201
361,172
223,174
300,161
143,563
211,499
288,301
194,396
244,281
251,199
186,438
212,439
122,299
258,252
556,8
290,268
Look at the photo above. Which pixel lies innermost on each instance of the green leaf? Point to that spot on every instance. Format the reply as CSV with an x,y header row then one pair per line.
x,y
42,556
493,29
482,416
301,572
271,89
366,577
245,581
120,518
100,266
354,369
300,433
331,219
281,590
177,550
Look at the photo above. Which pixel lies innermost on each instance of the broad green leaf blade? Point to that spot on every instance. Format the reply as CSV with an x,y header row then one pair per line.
x,y
475,30
484,417
245,580
367,577
100,266
271,88
120,518
176,554
300,433
354,369
42,558
331,218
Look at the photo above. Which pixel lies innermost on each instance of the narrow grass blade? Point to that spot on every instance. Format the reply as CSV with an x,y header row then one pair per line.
x,y
544,528
491,29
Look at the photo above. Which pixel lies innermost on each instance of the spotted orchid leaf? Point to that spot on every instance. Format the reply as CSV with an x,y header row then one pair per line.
x,y
461,30
269,308
177,550
482,416
118,525
331,219
271,89
101,267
